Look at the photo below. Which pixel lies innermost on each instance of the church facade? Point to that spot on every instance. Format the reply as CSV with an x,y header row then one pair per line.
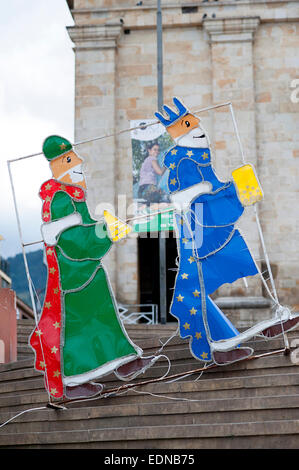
x,y
244,52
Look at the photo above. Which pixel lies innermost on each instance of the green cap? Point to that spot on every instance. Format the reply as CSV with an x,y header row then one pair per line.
x,y
54,146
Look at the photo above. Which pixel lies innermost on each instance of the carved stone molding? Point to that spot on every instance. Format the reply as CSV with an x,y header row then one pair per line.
x,y
90,37
231,29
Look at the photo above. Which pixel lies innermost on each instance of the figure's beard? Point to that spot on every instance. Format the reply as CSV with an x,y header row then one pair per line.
x,y
196,138
75,173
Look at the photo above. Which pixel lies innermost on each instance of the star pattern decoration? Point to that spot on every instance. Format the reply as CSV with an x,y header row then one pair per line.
x,y
54,350
48,186
50,251
42,364
62,146
56,373
56,324
174,151
38,332
56,290
76,193
186,311
53,391
48,305
52,270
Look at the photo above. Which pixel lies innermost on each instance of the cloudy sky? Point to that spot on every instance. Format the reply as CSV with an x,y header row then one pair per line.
x,y
36,100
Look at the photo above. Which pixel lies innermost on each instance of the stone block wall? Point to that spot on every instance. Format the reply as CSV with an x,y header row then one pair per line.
x,y
276,65
246,55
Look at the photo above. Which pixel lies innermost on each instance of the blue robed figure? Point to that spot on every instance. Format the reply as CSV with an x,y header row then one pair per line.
x,y
211,250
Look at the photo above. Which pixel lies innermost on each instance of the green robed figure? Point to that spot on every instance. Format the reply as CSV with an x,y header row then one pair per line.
x,y
79,336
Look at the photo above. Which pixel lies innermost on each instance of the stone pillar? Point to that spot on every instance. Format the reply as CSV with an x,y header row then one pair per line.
x,y
8,325
95,75
231,43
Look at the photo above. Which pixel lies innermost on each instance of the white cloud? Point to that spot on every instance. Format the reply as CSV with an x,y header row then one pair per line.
x,y
36,100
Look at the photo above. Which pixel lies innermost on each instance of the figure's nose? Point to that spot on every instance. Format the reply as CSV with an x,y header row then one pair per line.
x,y
77,161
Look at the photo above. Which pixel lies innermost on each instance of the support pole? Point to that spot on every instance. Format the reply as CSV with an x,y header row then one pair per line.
x,y
162,240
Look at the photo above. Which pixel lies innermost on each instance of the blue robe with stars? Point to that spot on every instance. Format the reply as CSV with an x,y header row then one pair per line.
x,y
211,251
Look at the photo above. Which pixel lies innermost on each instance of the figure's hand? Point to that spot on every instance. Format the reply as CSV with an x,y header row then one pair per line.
x,y
182,199
52,230
116,227
248,187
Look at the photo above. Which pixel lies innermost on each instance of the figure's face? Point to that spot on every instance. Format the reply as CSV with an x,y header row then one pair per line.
x,y
68,169
154,151
195,138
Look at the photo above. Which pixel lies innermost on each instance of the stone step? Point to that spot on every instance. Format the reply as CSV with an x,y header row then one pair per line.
x,y
260,366
23,402
17,388
17,381
149,348
249,404
256,366
21,357
24,351
207,385
25,327
177,356
26,363
179,352
203,411
137,334
153,344
213,389
24,395
256,434
18,374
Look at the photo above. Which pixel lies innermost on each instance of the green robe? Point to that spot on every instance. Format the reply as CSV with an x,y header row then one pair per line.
x,y
93,338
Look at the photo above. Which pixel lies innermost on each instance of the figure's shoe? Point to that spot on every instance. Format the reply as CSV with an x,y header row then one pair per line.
x,y
280,328
228,357
132,369
87,390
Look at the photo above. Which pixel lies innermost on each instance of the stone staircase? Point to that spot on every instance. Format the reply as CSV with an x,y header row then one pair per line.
x,y
250,404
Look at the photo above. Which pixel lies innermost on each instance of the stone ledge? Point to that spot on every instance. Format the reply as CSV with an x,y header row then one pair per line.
x,y
176,5
101,36
236,29
144,17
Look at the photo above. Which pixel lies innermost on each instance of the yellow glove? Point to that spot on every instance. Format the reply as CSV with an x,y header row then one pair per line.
x,y
247,184
117,228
